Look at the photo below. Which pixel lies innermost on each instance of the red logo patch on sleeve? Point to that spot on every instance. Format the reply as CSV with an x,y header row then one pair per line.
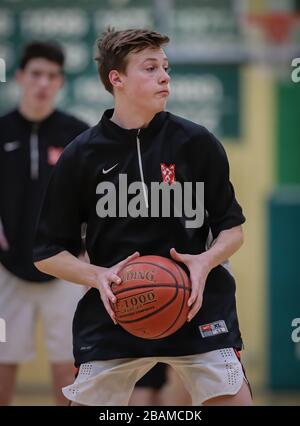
x,y
54,152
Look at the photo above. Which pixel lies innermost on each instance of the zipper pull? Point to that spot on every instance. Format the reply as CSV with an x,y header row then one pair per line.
x,y
141,168
34,152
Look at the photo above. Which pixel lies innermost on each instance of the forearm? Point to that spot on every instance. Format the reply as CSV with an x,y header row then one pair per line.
x,y
67,267
226,244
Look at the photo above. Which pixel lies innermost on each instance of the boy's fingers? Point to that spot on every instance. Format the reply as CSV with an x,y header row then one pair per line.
x,y
123,262
109,309
197,305
106,296
194,292
108,293
114,278
3,242
179,257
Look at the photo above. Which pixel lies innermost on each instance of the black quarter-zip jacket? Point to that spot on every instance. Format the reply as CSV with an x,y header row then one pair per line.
x,y
28,153
103,154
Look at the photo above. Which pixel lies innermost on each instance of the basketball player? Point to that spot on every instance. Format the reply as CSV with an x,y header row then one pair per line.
x,y
32,138
114,164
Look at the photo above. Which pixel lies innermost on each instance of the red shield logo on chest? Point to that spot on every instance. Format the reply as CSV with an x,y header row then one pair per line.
x,y
54,152
168,173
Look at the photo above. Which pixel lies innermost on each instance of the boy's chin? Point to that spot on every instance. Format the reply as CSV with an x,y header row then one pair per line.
x,y
159,107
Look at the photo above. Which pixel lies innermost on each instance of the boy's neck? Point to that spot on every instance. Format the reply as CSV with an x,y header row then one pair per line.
x,y
32,113
131,118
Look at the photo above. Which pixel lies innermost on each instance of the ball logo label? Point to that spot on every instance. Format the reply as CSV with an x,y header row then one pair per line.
x,y
139,303
146,274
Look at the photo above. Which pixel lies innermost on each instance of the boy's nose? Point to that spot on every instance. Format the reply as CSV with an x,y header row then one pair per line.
x,y
165,77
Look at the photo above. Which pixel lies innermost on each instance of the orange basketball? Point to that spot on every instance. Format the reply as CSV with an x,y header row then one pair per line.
x,y
152,297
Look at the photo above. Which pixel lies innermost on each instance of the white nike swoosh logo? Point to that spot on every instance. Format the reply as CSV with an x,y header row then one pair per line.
x,y
108,170
11,146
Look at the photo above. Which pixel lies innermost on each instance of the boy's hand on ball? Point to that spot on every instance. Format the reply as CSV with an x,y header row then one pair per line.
x,y
199,271
105,278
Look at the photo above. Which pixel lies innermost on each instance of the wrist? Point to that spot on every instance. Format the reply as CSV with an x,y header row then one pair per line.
x,y
207,261
92,275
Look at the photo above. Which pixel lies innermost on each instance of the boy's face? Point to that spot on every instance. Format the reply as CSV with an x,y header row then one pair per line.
x,y
40,82
146,81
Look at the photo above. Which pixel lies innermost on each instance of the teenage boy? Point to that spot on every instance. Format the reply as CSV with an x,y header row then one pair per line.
x,y
32,137
105,178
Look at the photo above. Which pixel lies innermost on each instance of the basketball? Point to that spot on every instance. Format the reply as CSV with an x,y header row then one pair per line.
x,y
152,297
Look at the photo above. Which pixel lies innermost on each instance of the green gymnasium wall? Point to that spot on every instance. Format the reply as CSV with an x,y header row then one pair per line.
x,y
288,128
284,288
207,93
283,244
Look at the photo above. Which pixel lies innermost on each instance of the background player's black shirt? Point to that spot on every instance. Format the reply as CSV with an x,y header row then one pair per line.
x,y
28,152
71,199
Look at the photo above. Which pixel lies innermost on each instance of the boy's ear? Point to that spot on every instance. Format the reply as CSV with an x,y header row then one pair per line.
x,y
115,79
62,80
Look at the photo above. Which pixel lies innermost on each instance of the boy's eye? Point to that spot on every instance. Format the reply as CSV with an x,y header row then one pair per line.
x,y
36,74
152,68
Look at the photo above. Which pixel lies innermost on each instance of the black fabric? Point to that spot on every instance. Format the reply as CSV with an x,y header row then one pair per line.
x,y
20,194
71,199
155,378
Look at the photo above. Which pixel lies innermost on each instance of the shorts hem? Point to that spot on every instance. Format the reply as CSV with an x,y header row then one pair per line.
x,y
216,395
112,404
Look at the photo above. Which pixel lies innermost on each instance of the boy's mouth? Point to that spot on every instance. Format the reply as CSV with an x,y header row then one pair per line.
x,y
164,92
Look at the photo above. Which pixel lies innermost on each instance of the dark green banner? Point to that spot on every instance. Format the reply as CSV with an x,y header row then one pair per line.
x,y
207,94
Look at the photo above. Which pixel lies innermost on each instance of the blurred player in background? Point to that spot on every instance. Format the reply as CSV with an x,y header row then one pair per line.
x,y
148,390
160,386
32,138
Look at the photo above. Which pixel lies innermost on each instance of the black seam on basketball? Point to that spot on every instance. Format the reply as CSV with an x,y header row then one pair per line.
x,y
182,304
140,312
134,295
172,285
182,277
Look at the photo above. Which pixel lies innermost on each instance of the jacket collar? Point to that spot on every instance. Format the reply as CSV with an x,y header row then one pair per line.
x,y
121,135
27,122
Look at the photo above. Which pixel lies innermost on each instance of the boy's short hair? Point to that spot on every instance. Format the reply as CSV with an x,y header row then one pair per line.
x,y
50,50
114,46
